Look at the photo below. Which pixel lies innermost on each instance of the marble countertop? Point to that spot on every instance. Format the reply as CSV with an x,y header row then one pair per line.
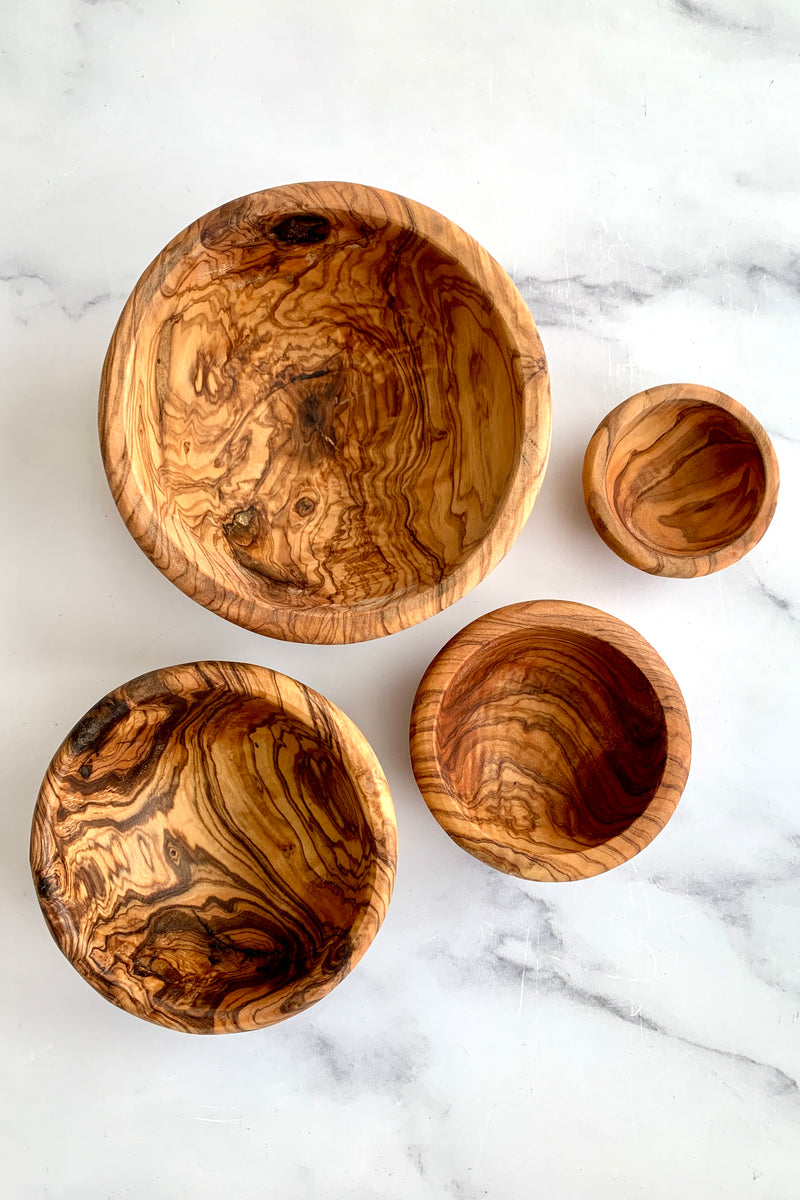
x,y
634,166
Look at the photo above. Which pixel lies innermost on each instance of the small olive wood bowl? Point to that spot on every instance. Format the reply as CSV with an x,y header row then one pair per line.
x,y
214,847
325,412
550,740
680,480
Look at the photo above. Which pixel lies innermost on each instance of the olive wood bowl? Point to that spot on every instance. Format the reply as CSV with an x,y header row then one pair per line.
x,y
550,741
680,480
325,412
214,847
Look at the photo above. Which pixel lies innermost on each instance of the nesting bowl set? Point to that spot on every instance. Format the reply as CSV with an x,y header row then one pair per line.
x,y
325,415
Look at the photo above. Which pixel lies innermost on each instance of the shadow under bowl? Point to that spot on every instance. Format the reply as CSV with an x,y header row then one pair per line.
x,y
680,480
325,412
214,847
550,740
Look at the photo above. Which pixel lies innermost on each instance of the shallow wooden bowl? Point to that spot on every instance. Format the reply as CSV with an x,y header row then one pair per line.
x,y
550,740
325,412
680,480
214,847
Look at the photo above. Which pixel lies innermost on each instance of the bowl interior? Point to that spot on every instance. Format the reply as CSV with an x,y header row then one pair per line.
x,y
686,478
550,738
209,852
333,408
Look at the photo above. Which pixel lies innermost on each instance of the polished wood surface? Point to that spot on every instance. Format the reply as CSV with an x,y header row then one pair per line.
x,y
680,480
214,847
550,740
325,412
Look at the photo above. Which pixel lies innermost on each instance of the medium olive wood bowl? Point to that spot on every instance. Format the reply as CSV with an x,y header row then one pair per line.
x,y
214,847
325,412
550,740
680,480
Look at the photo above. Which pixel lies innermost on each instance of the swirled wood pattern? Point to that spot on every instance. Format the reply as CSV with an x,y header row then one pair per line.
x,y
214,847
325,412
550,740
680,480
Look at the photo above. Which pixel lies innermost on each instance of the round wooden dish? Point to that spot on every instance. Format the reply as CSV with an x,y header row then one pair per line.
x,y
214,847
680,480
325,412
550,740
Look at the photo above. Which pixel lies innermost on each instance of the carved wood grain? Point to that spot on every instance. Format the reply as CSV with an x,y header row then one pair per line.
x,y
214,847
680,480
550,741
325,412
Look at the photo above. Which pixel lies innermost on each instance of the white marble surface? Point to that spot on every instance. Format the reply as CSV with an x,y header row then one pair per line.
x,y
634,164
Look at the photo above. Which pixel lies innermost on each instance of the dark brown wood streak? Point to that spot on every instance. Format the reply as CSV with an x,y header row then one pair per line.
x,y
680,480
214,847
550,740
325,412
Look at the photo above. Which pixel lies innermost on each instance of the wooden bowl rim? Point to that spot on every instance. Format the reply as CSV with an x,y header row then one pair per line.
x,y
567,615
335,623
604,516
311,709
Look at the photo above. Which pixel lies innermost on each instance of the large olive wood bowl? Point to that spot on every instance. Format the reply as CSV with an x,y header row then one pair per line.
x,y
325,412
550,740
214,847
680,480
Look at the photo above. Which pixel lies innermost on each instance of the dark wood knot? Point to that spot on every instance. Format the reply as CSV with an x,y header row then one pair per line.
x,y
302,229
